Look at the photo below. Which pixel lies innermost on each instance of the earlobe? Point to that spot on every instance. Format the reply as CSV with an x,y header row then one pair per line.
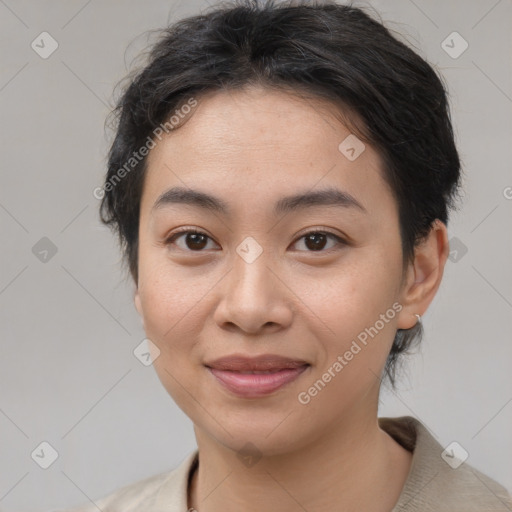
x,y
136,300
424,275
138,306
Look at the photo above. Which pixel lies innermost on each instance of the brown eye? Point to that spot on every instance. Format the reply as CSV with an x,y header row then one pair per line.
x,y
195,241
191,240
316,241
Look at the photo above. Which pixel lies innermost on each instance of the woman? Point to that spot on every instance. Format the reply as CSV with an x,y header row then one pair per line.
x,y
280,182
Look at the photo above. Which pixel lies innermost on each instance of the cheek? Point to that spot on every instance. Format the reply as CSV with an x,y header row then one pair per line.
x,y
170,309
357,306
358,314
174,305
170,297
356,292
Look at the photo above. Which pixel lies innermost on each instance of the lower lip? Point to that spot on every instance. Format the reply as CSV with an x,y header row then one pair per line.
x,y
254,385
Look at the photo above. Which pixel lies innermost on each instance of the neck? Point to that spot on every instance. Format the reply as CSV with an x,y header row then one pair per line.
x,y
355,466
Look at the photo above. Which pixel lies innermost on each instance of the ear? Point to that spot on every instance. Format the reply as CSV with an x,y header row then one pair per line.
x,y
424,275
138,305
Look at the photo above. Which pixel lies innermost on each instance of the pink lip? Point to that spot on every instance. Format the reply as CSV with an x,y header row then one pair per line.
x,y
241,363
256,385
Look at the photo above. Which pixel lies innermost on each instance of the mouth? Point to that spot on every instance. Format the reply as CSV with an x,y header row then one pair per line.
x,y
255,377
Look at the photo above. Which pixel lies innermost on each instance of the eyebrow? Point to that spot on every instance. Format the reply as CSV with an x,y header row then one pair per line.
x,y
325,197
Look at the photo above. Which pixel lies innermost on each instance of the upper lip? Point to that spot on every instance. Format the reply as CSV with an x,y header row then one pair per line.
x,y
263,362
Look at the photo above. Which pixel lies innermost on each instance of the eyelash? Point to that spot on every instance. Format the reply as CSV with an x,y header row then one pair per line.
x,y
340,241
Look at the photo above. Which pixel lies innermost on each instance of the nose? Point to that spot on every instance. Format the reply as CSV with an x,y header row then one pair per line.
x,y
254,298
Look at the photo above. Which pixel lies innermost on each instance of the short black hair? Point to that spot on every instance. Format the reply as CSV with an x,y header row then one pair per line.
x,y
388,94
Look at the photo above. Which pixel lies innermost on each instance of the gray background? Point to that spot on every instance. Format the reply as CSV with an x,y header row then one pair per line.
x,y
68,327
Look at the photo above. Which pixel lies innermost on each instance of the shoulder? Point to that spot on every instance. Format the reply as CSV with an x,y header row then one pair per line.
x,y
165,491
129,497
439,478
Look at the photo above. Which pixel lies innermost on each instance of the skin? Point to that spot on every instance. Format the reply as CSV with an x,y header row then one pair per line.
x,y
250,148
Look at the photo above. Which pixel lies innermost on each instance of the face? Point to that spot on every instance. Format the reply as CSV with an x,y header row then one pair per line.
x,y
301,279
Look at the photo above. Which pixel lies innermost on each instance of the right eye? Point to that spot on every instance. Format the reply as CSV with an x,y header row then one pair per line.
x,y
192,240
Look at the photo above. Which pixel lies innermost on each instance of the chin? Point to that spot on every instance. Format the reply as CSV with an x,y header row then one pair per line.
x,y
270,436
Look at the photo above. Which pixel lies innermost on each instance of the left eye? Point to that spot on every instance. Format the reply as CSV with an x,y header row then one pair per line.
x,y
317,240
196,241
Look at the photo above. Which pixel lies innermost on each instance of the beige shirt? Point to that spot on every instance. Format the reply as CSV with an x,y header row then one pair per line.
x,y
432,484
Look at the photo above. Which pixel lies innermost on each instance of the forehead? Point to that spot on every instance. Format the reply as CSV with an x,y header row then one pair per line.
x,y
254,117
259,144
